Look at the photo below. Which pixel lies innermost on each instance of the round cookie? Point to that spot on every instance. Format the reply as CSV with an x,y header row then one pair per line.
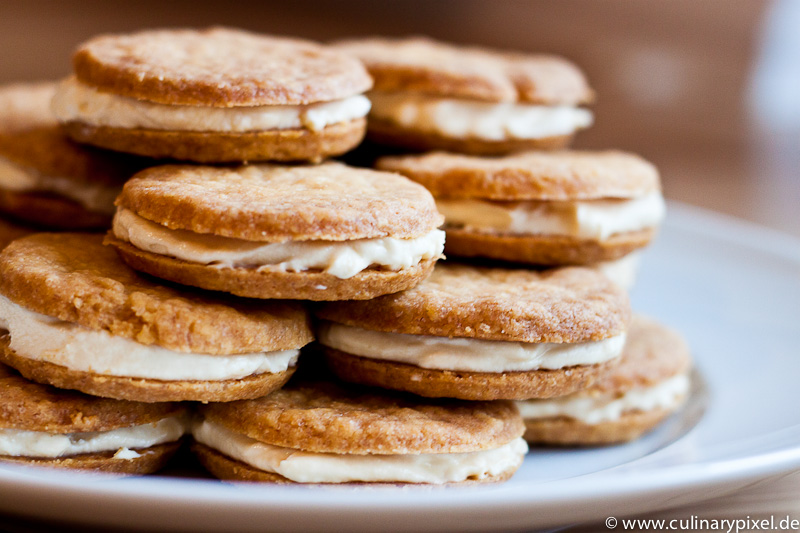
x,y
214,95
325,232
43,426
650,383
324,432
435,96
541,208
45,178
481,334
79,318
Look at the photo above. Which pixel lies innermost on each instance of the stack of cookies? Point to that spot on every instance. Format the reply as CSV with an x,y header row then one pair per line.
x,y
193,312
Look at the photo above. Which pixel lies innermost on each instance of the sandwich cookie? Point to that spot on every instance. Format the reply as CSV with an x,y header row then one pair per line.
x,y
481,334
214,95
43,426
650,383
325,232
430,95
544,208
77,317
322,432
45,178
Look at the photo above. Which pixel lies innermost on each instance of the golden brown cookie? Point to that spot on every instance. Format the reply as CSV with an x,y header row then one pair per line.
x,y
45,178
353,434
431,95
538,249
541,208
80,318
214,95
649,384
481,333
326,232
39,426
436,383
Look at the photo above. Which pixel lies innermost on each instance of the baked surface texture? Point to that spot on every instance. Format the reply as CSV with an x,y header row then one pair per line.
x,y
297,144
33,407
327,417
73,277
570,304
422,65
543,249
565,431
275,203
217,67
562,175
436,383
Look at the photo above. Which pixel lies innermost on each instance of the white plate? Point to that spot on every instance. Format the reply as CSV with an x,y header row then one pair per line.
x,y
733,289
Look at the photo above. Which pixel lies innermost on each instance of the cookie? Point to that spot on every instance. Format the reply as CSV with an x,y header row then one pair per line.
x,y
324,432
77,317
541,208
325,232
214,95
650,383
481,333
435,96
43,426
45,178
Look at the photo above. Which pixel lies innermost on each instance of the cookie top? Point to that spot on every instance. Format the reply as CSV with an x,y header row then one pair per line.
x,y
31,138
570,304
653,353
275,203
73,277
218,67
422,65
327,417
565,175
10,231
33,407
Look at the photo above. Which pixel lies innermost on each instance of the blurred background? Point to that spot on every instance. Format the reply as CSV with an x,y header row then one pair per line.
x,y
709,90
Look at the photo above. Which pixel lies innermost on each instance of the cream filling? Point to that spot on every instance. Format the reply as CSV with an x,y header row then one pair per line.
x,y
595,409
15,442
491,121
309,467
343,259
75,101
93,196
621,271
43,338
587,219
473,355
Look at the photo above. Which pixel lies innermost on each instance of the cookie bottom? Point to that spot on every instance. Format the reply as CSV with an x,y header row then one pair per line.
x,y
223,467
151,460
384,132
434,383
563,431
544,249
143,389
219,147
50,211
254,283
